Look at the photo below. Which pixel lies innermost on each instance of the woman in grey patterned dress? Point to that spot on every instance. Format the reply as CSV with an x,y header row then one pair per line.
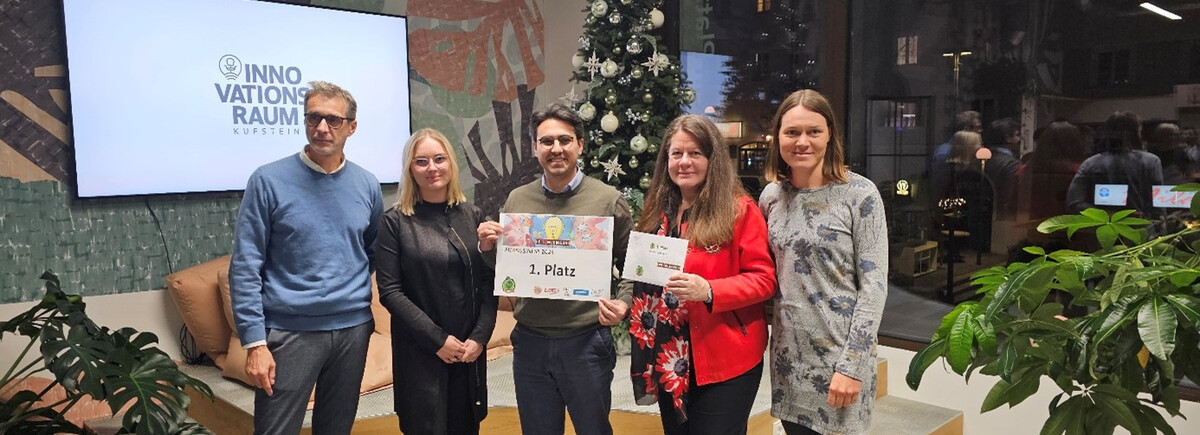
x,y
827,230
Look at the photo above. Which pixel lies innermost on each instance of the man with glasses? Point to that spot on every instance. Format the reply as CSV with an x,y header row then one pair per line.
x,y
563,354
300,278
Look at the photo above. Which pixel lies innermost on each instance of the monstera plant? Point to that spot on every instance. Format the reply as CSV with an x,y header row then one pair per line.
x,y
1140,333
122,368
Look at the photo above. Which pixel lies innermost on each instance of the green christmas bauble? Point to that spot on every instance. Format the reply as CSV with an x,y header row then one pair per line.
x,y
599,140
617,50
689,95
610,99
652,148
644,182
648,98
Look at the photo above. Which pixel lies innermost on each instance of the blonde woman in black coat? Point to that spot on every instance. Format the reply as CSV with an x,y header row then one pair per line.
x,y
439,292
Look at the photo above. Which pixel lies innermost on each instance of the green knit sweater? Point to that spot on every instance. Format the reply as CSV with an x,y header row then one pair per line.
x,y
560,318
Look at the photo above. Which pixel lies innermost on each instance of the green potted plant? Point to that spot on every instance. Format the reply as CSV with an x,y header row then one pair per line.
x,y
122,368
1141,332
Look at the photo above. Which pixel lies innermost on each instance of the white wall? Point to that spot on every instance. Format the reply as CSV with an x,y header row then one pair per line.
x,y
942,387
149,311
563,22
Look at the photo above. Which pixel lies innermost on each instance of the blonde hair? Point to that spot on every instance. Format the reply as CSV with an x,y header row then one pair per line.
x,y
716,208
962,147
834,167
409,193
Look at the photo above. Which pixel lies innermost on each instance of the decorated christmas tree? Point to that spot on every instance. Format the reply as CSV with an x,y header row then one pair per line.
x,y
628,88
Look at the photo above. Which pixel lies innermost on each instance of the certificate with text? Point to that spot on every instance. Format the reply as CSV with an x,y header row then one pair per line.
x,y
554,256
652,258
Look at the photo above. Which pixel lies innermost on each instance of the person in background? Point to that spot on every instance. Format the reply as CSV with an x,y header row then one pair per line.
x,y
1003,138
435,283
1165,141
300,277
563,353
698,342
827,229
964,180
1120,161
1051,166
969,121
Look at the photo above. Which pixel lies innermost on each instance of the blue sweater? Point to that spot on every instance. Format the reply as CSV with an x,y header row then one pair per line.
x,y
302,254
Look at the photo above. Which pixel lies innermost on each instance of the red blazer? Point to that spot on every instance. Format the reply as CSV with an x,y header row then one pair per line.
x,y
730,339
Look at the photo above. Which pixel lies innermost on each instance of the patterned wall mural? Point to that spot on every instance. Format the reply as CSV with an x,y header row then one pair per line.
x,y
475,66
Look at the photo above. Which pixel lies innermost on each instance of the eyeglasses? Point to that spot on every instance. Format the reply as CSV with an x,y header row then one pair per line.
x,y
334,121
422,162
549,141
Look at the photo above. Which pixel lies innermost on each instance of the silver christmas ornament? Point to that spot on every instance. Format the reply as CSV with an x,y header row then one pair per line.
x,y
633,162
644,182
634,46
614,18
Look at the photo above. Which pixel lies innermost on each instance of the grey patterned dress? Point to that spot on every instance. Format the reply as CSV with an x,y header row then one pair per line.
x,y
831,255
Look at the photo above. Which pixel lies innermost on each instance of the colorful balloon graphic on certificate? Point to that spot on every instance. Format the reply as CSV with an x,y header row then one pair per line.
x,y
554,256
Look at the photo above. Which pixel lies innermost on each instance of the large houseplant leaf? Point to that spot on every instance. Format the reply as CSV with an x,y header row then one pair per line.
x,y
74,356
1156,325
144,382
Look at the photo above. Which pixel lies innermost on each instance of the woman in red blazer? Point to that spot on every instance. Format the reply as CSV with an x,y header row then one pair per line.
x,y
698,342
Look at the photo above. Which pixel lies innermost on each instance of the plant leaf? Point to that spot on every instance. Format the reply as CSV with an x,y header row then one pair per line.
x,y
1156,326
962,341
147,384
75,357
1116,315
1117,410
1107,236
1188,306
1035,250
1065,416
1095,215
1157,420
1011,289
922,360
1008,358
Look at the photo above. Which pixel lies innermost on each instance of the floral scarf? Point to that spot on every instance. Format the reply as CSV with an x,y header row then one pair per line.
x,y
661,352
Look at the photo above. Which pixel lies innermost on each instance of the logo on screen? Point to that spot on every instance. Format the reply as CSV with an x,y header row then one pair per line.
x,y
262,99
231,66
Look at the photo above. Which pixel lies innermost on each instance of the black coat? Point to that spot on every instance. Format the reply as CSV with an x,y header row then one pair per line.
x,y
429,302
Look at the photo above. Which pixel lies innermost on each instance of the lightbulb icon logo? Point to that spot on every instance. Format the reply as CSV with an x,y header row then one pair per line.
x,y
230,66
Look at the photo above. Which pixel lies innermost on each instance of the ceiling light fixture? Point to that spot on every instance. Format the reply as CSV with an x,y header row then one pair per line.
x,y
1152,8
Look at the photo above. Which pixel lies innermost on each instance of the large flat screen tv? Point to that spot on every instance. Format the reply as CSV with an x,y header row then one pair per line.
x,y
193,95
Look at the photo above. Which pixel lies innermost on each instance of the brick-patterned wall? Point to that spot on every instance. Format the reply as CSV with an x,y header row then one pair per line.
x,y
112,245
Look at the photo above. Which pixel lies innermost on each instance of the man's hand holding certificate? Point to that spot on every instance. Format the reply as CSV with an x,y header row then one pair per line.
x,y
553,256
652,259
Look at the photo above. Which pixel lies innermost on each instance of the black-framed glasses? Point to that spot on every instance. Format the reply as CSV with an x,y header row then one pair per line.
x,y
314,119
549,141
422,162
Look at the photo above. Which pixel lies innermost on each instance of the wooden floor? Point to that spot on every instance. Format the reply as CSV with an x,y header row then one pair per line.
x,y
222,418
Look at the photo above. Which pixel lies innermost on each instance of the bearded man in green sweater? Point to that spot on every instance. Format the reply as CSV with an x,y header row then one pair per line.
x,y
563,354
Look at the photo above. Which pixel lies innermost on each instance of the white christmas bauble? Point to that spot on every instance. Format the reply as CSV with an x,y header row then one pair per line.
x,y
609,122
577,60
638,144
599,8
587,111
609,68
614,18
656,17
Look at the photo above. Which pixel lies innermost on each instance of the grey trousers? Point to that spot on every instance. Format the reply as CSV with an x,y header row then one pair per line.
x,y
333,360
